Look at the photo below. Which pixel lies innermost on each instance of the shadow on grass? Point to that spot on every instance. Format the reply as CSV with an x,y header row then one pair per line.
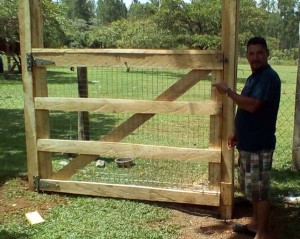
x,y
64,125
285,182
12,235
12,144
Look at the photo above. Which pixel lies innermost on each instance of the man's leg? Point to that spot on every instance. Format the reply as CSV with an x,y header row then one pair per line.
x,y
262,213
253,224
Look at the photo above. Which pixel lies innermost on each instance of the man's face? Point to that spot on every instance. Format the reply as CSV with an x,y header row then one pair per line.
x,y
257,56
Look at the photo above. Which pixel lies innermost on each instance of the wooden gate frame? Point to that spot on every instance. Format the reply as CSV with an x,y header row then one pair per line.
x,y
222,64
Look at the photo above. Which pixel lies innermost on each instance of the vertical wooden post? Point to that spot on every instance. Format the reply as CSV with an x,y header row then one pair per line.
x,y
34,84
83,116
229,48
215,135
29,113
296,139
40,87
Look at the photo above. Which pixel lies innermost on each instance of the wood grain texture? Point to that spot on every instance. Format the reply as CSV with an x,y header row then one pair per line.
x,y
210,198
167,59
105,105
129,150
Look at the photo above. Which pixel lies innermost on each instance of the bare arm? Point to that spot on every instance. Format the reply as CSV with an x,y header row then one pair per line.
x,y
244,102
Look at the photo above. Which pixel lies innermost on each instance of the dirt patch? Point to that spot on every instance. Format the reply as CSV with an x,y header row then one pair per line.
x,y
196,221
17,199
204,222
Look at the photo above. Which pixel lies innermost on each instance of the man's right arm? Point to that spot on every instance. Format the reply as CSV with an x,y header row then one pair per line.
x,y
247,103
244,102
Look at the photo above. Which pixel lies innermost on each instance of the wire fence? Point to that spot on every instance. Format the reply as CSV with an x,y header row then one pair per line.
x,y
143,84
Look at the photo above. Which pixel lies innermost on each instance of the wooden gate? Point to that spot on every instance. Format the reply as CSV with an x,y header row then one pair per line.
x,y
218,64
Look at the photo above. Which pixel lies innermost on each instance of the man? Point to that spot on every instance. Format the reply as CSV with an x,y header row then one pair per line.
x,y
254,135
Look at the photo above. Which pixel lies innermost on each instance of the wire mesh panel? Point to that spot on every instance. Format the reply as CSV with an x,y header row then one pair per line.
x,y
175,130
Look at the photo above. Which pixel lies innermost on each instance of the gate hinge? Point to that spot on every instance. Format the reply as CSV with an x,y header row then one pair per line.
x,y
43,185
36,183
31,61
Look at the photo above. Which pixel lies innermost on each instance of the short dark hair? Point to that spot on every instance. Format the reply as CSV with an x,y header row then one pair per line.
x,y
258,41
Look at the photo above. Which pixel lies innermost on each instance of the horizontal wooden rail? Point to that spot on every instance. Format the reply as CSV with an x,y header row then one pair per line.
x,y
210,198
189,59
129,150
126,106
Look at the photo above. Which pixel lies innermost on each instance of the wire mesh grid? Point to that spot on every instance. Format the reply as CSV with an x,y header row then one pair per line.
x,y
177,130
12,130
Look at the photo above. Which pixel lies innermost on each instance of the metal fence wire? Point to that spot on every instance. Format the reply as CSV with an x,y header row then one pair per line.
x,y
140,84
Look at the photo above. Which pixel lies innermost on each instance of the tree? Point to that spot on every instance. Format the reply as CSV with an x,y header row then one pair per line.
x,y
192,25
282,22
140,11
109,11
289,13
9,20
56,24
82,9
252,22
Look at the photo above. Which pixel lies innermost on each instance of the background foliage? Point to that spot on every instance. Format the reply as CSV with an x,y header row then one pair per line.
x,y
168,24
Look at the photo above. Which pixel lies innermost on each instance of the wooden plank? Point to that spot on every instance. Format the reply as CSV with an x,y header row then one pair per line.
x,y
83,92
99,105
189,59
229,46
214,175
215,134
296,136
226,198
40,87
29,112
210,198
128,126
129,150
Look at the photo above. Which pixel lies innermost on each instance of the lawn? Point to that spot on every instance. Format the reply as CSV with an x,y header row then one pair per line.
x,y
69,216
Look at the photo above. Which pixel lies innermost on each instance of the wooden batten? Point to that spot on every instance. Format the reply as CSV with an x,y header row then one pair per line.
x,y
192,59
296,137
229,46
27,78
215,134
94,105
129,150
210,198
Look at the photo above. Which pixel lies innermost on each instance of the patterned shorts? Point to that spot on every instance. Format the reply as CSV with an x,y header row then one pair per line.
x,y
254,174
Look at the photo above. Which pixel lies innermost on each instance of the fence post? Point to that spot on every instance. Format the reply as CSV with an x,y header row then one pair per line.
x,y
36,122
296,139
229,48
83,116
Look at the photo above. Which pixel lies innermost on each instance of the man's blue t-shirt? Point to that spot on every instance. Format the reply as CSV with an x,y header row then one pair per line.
x,y
256,131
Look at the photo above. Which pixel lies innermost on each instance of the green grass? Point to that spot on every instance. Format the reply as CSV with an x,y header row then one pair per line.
x,y
88,217
82,217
